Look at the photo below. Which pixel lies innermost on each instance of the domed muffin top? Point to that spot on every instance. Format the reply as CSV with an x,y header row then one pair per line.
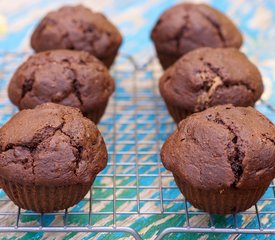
x,y
66,77
207,77
77,28
51,144
188,26
221,147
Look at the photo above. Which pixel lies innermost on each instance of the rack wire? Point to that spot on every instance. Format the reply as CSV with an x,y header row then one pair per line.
x,y
135,194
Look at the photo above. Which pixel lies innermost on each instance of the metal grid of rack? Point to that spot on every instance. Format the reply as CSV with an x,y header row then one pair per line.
x,y
134,184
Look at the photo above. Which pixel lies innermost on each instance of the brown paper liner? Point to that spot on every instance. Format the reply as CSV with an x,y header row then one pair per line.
x,y
228,201
108,61
166,60
177,113
45,198
96,114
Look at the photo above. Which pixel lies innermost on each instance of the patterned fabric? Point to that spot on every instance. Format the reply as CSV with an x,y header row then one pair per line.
x,y
136,123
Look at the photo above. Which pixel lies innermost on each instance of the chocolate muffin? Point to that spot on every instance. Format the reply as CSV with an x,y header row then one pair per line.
x,y
188,26
78,28
50,157
222,159
71,78
207,77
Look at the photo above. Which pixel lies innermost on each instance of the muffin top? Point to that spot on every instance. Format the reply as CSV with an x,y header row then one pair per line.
x,y
187,26
66,77
51,144
77,28
207,77
222,147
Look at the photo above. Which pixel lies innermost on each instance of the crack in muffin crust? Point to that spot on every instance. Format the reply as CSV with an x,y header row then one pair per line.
x,y
235,155
216,25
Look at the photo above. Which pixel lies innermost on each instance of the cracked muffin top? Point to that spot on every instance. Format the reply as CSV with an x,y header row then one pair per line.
x,y
207,77
187,26
77,28
66,77
222,147
51,144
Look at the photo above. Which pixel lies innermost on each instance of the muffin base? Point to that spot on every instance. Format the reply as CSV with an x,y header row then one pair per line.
x,y
96,114
167,60
229,201
177,113
45,198
108,61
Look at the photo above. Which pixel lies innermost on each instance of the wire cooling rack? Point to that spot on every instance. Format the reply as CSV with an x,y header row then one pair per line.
x,y
135,196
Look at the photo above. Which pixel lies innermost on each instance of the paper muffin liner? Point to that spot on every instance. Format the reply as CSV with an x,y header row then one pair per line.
x,y
45,198
96,114
166,60
226,201
177,113
108,61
